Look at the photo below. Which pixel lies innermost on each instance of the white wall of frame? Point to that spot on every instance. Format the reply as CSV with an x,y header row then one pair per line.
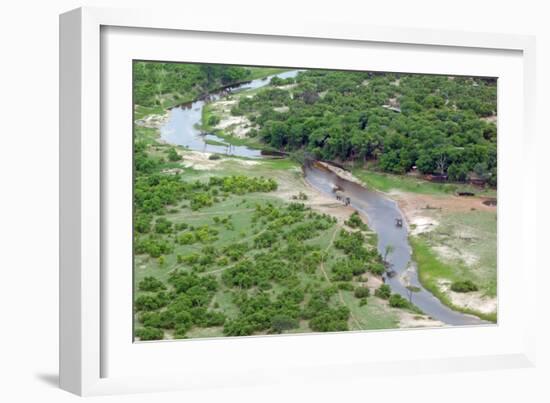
x,y
28,162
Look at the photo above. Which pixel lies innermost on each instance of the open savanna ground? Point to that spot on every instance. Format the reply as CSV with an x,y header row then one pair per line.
x,y
284,260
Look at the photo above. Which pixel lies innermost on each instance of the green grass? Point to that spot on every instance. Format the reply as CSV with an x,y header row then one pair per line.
x,y
260,72
472,233
146,135
431,269
387,182
372,316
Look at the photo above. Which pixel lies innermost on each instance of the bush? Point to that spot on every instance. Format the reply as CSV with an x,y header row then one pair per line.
x,y
330,320
384,292
397,301
464,286
149,333
377,269
214,157
280,323
173,155
362,292
163,226
154,247
151,284
213,120
355,221
148,302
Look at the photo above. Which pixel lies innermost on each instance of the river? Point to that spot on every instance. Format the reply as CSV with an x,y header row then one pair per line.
x,y
182,128
381,213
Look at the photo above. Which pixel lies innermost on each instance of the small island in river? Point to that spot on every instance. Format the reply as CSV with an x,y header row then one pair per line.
x,y
277,200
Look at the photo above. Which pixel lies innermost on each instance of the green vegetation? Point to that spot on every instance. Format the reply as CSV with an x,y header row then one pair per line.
x,y
220,253
384,291
167,84
355,221
464,286
435,123
233,260
385,182
431,270
173,155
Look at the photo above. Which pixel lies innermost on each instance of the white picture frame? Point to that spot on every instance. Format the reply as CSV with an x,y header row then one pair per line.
x,y
94,349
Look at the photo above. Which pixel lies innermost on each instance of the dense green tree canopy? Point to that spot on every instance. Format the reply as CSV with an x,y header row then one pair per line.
x,y
439,124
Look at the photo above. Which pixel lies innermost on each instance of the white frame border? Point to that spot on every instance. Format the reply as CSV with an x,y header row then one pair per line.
x,y
80,165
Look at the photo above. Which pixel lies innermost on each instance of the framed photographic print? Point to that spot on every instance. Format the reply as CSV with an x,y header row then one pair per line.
x,y
244,203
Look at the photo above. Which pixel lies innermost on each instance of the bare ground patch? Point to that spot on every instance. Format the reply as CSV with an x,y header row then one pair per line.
x,y
471,300
153,121
200,161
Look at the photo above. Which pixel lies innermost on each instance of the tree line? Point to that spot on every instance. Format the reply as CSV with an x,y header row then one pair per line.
x,y
438,124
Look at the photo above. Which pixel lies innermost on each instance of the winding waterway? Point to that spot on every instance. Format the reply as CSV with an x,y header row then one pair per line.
x,y
182,128
183,124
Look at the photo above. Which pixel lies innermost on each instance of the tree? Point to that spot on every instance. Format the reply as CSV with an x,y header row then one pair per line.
x,y
388,250
441,164
412,289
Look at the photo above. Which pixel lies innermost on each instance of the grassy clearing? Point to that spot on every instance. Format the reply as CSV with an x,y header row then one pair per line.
x,y
388,182
472,234
432,269
375,315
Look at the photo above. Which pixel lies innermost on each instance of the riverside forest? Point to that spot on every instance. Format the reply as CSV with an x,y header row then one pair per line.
x,y
274,200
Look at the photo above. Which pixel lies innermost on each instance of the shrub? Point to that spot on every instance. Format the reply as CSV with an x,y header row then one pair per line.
x,y
149,333
464,286
173,155
187,238
148,302
181,226
362,292
397,301
330,320
151,284
154,247
384,292
213,120
280,323
214,157
377,269
142,223
163,226
355,221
